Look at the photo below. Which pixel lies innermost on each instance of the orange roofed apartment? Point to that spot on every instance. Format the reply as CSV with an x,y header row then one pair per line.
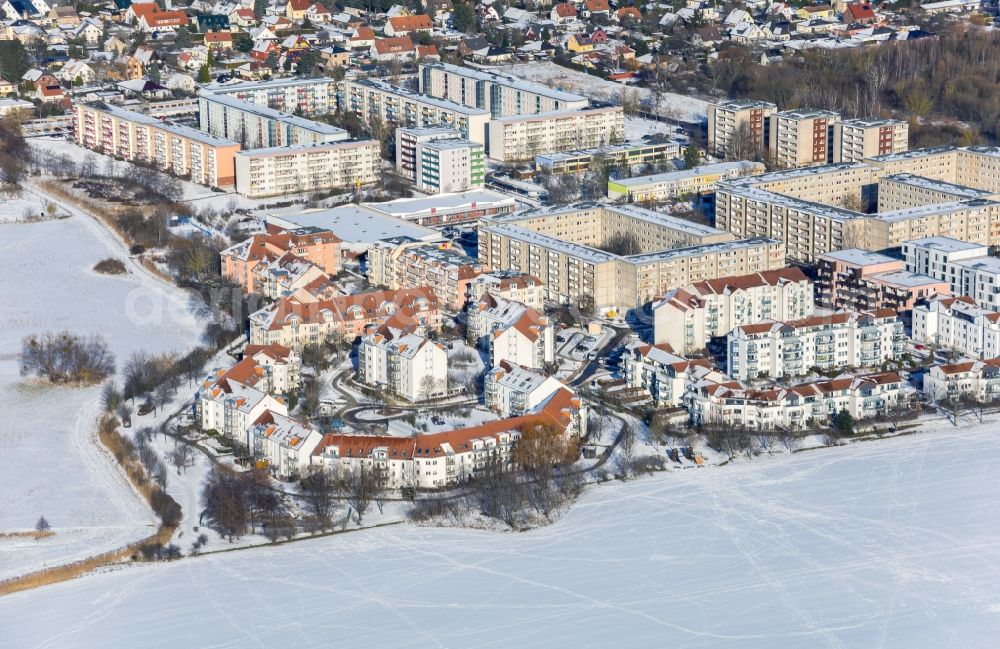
x,y
184,151
319,247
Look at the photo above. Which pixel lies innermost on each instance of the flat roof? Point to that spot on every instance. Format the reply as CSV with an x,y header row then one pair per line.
x,y
743,104
937,185
304,148
605,150
399,91
858,257
702,170
354,224
871,122
697,251
945,244
556,114
178,129
987,263
224,88
276,115
632,211
905,279
508,81
410,208
807,113
451,143
895,216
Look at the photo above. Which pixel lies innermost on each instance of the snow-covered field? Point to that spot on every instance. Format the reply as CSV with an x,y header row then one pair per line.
x,y
888,544
50,465
682,107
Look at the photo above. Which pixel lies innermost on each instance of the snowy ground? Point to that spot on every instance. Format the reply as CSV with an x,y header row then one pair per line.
x,y
50,464
681,107
887,544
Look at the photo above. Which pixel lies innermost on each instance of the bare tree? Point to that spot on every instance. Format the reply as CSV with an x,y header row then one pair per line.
x,y
319,491
359,484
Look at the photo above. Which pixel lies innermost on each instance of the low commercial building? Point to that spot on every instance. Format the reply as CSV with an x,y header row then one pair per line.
x,y
445,166
296,321
618,155
295,169
674,184
522,137
358,227
501,95
772,349
396,106
403,363
958,323
804,406
404,263
739,123
802,137
259,127
857,139
302,96
447,209
205,159
688,318
969,379
407,140
511,332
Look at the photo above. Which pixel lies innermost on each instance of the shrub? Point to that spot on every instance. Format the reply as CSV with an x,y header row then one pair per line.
x,y
110,266
66,358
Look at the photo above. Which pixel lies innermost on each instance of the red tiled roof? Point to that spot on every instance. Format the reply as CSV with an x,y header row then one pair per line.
x,y
394,45
411,23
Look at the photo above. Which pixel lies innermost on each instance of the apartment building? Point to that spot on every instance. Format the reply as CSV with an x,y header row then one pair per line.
x,y
511,332
859,280
407,140
561,247
658,371
393,105
958,323
302,168
445,459
857,139
260,127
283,444
624,155
286,275
906,191
205,159
405,263
975,166
302,96
510,285
977,380
445,166
513,390
773,349
735,118
403,363
499,94
674,184
522,137
688,318
231,400
282,366
319,247
801,137
965,268
799,407
299,320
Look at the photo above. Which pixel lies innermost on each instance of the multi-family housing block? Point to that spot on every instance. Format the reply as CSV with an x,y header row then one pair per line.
x,y
302,96
181,150
259,127
510,285
965,268
407,140
854,140
319,247
454,165
958,323
860,280
801,137
300,168
403,263
499,94
512,390
403,363
774,349
522,137
511,332
626,155
972,379
736,118
664,375
688,318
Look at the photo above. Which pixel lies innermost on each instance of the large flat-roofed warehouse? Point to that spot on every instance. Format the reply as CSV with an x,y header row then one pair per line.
x,y
617,256
357,226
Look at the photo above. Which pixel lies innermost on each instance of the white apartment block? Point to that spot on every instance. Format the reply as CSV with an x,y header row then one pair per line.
x,y
514,390
407,140
801,137
657,370
260,127
799,407
675,184
726,120
501,95
511,332
283,443
688,318
510,285
958,323
282,366
306,97
967,267
968,378
403,364
404,262
279,171
523,137
231,401
372,99
906,191
774,349
445,166
206,159
857,139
